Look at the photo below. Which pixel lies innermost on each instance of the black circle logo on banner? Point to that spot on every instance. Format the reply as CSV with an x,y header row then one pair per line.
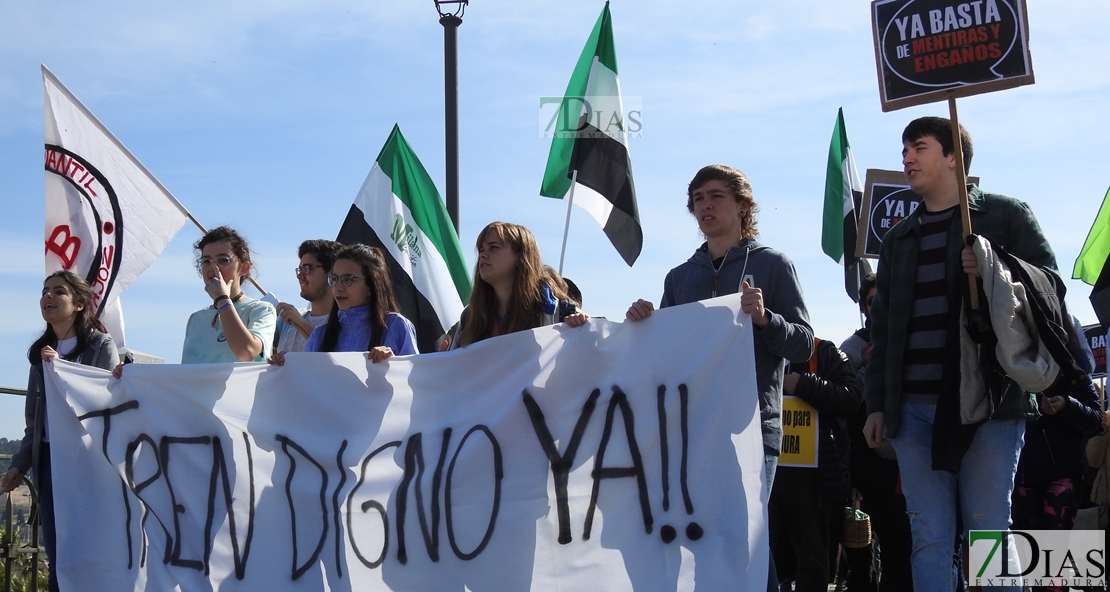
x,y
891,205
941,43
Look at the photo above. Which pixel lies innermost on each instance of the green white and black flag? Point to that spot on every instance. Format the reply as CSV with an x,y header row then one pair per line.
x,y
400,211
592,140
843,194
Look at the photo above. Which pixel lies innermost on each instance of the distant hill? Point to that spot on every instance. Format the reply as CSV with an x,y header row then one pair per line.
x,y
7,447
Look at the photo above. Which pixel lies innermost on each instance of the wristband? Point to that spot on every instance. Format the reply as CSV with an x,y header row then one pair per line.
x,y
221,307
220,297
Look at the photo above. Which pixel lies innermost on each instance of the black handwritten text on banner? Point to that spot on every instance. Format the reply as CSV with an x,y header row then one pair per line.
x,y
589,458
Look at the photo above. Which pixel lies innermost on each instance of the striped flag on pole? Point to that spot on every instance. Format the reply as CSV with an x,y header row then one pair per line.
x,y
399,210
589,157
843,193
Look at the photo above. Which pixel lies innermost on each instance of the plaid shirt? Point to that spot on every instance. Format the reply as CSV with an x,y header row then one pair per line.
x,y
1006,221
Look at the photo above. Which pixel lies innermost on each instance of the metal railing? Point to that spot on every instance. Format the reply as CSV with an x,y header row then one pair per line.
x,y
12,547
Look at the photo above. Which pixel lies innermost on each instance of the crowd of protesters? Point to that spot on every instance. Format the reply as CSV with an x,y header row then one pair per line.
x,y
906,432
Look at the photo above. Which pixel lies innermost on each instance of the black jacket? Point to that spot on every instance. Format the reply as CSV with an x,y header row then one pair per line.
x,y
836,393
1056,445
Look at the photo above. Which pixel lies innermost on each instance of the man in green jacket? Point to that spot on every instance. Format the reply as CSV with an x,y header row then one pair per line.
x,y
912,384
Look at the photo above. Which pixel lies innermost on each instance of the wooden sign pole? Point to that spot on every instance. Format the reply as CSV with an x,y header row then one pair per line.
x,y
961,172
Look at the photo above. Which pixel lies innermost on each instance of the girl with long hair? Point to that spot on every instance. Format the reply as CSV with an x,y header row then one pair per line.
x,y
512,291
365,317
74,334
236,327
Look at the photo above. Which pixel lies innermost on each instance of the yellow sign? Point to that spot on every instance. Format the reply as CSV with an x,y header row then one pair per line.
x,y
799,433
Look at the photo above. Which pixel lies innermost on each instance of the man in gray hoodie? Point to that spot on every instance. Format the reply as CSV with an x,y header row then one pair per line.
x,y
731,261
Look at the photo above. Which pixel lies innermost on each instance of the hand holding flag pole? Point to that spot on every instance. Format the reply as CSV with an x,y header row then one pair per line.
x,y
965,211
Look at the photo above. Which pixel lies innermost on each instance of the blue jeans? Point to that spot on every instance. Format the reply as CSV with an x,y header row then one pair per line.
x,y
44,481
983,487
770,463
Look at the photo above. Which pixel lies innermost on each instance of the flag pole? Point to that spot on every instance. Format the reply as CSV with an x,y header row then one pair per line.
x,y
859,282
566,228
961,172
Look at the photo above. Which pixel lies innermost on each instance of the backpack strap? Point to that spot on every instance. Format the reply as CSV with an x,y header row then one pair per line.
x,y
813,358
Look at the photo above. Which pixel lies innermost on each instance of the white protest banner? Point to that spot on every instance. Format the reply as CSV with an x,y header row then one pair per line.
x,y
107,217
614,456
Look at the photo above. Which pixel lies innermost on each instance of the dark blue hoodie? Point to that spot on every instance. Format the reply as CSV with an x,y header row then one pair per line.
x,y
788,336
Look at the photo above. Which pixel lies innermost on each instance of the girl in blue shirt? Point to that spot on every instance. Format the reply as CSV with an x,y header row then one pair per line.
x,y
365,317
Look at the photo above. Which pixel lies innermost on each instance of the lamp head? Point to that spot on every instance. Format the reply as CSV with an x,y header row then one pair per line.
x,y
454,8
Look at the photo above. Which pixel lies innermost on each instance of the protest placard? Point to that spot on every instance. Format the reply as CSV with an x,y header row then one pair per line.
x,y
1096,340
799,433
933,50
887,198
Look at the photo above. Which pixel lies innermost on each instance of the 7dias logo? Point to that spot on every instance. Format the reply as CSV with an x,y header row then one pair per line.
x,y
592,116
1075,558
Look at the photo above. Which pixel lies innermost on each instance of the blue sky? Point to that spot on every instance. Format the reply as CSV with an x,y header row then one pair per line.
x,y
267,116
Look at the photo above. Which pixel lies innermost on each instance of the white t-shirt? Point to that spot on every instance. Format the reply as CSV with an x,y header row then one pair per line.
x,y
291,340
66,345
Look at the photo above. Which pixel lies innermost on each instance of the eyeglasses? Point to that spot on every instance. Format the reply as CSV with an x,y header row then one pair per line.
x,y
346,279
221,262
307,268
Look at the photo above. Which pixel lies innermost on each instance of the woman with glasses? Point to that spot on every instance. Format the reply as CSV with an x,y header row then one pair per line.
x,y
365,316
511,290
236,327
72,333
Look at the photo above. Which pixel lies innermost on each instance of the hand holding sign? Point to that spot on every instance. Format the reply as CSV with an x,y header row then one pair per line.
x,y
751,302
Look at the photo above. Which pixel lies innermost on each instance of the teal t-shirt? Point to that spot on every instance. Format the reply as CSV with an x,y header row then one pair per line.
x,y
205,342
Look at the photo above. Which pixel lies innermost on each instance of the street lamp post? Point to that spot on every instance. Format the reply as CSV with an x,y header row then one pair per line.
x,y
450,16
